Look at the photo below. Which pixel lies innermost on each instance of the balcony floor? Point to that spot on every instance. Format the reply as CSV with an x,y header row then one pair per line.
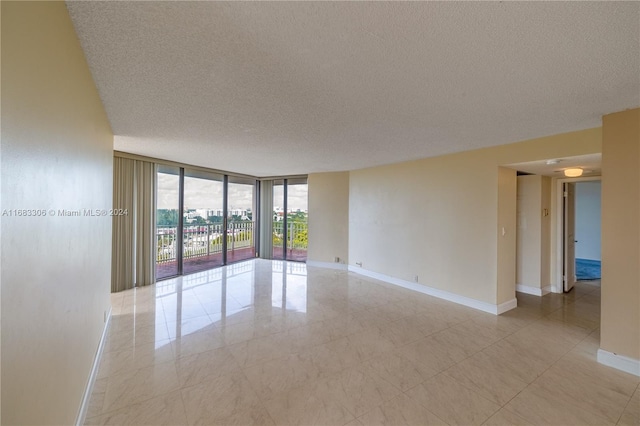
x,y
201,263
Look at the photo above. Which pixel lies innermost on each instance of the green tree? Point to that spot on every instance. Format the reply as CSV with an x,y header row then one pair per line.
x,y
301,239
215,219
199,220
167,217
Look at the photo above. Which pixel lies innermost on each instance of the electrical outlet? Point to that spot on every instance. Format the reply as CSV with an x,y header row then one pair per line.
x,y
416,278
336,259
359,264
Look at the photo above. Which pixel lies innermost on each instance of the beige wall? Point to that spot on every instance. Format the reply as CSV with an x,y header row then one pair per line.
x,y
620,320
438,218
506,262
534,231
328,217
56,154
545,230
403,222
529,230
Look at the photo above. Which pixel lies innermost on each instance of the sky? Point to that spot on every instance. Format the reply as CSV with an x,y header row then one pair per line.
x,y
207,194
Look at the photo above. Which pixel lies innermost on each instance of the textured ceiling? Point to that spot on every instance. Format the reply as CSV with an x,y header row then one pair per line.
x,y
282,88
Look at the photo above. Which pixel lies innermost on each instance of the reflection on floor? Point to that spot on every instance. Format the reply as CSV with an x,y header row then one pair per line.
x,y
298,255
268,342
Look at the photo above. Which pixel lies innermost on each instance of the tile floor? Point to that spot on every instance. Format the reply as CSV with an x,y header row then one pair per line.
x,y
264,342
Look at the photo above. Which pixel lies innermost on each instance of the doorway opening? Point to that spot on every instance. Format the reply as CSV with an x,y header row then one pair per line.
x,y
557,243
580,233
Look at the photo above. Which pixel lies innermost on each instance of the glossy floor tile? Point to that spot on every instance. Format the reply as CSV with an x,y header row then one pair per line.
x,y
278,343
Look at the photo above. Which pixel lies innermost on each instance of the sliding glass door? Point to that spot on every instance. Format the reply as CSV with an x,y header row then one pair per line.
x,y
279,218
167,215
297,223
202,221
240,219
290,219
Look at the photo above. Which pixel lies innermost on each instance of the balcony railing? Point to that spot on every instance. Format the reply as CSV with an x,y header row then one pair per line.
x,y
296,235
205,240
166,237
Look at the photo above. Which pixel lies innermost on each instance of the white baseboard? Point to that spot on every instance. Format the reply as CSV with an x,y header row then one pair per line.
x,y
536,291
328,265
619,362
528,289
558,289
86,397
506,306
440,294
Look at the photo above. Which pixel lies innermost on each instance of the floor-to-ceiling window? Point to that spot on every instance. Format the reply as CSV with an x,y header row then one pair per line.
x,y
204,220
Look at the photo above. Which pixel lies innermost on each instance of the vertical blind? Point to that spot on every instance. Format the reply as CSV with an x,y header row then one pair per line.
x,y
133,248
266,219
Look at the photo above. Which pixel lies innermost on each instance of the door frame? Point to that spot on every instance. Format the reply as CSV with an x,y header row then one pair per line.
x,y
569,236
559,219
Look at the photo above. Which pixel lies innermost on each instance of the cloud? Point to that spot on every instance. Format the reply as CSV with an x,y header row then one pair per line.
x,y
207,194
168,191
298,197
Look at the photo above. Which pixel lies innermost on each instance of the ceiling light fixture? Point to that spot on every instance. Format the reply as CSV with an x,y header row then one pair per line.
x,y
573,172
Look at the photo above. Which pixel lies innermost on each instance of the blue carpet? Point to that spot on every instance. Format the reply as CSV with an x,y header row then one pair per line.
x,y
587,269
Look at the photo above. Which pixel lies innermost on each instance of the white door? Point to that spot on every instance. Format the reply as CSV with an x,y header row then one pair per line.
x,y
569,275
